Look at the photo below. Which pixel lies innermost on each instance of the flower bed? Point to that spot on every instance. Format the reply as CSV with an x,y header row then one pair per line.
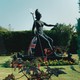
x,y
58,62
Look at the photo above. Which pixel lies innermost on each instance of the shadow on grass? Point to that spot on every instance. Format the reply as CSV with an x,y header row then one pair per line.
x,y
73,68
55,71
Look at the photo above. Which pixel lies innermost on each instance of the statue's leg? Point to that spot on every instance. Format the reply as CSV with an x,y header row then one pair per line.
x,y
50,39
48,42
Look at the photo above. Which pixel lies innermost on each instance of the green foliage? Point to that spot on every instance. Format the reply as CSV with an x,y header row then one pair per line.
x,y
17,41
6,64
73,44
78,27
51,62
63,33
2,29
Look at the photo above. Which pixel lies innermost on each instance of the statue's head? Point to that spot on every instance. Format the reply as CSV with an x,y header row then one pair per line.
x,y
37,14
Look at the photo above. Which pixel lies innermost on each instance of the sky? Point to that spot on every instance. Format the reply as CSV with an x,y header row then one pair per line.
x,y
15,14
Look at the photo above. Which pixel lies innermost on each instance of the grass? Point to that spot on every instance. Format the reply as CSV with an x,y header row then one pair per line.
x,y
71,74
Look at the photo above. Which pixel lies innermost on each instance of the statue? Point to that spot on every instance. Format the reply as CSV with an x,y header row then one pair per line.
x,y
38,24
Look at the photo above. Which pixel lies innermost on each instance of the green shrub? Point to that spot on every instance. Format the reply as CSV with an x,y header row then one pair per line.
x,y
6,64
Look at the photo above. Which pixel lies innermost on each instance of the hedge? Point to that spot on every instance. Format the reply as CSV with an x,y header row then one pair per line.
x,y
15,41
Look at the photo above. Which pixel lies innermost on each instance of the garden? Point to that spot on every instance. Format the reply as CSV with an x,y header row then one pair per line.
x,y
32,51
58,72
60,64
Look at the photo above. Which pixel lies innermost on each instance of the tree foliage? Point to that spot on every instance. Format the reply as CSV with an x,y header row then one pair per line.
x,y
63,34
2,29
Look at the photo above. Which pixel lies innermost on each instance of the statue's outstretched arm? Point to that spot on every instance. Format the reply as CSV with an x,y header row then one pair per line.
x,y
50,25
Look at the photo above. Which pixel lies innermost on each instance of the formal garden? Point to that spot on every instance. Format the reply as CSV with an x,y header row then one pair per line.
x,y
60,72
16,63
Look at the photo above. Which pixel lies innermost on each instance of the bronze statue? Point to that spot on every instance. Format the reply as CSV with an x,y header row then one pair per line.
x,y
38,24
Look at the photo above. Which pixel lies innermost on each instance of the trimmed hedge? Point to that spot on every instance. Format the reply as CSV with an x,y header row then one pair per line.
x,y
19,40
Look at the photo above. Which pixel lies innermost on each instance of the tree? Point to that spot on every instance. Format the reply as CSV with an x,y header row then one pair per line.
x,y
64,34
2,29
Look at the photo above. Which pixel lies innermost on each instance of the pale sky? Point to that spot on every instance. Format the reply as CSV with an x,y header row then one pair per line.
x,y
17,12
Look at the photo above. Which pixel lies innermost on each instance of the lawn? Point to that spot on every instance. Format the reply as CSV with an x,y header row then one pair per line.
x,y
71,74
